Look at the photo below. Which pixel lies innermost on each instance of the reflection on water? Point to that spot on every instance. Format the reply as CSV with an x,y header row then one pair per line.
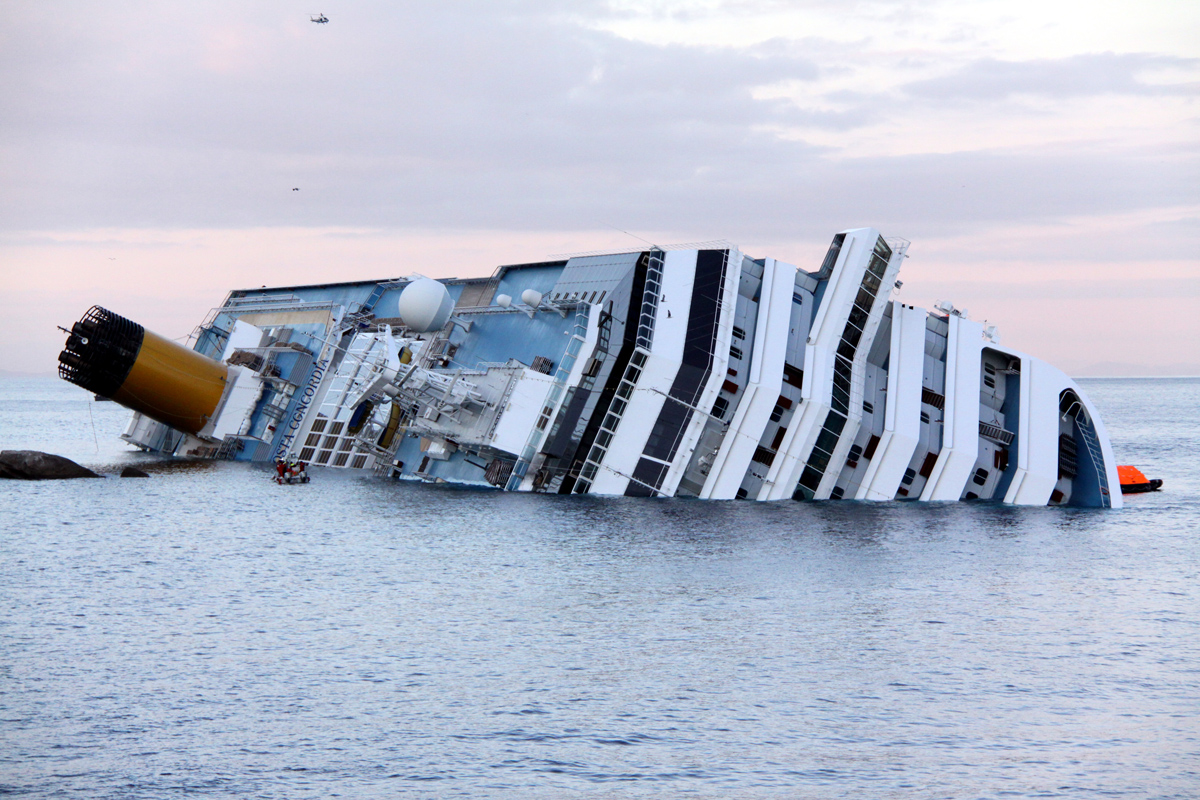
x,y
207,631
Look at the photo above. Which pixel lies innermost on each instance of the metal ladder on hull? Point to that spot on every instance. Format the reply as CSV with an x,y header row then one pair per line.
x,y
633,371
1092,444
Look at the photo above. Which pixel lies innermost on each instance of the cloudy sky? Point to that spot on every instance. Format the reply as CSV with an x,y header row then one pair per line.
x,y
1043,157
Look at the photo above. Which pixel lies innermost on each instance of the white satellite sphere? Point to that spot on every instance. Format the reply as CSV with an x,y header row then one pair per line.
x,y
503,300
425,305
531,297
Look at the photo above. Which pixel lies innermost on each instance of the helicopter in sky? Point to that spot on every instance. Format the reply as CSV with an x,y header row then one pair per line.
x,y
320,19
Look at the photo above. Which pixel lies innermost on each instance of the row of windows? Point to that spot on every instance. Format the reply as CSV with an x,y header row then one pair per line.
x,y
611,420
843,370
580,297
339,460
819,458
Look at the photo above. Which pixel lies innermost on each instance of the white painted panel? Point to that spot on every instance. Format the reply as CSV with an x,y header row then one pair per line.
x,y
521,413
960,437
1038,428
726,311
902,418
765,383
244,336
823,339
619,463
850,253
662,365
237,404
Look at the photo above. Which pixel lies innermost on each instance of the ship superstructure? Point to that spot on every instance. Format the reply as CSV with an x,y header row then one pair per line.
x,y
667,372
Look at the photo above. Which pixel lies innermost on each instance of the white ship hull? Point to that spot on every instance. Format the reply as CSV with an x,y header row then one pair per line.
x,y
670,372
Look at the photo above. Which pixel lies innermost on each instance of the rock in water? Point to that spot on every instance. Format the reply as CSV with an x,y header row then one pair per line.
x,y
134,472
32,465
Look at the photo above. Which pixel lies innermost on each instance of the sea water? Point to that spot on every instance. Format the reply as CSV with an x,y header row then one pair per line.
x,y
206,632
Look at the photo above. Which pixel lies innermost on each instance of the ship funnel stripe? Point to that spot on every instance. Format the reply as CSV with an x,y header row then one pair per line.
x,y
101,351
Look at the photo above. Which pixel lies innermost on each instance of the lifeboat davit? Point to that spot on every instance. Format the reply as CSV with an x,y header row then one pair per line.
x,y
1134,482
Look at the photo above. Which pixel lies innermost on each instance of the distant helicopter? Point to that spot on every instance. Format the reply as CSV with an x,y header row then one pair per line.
x,y
320,19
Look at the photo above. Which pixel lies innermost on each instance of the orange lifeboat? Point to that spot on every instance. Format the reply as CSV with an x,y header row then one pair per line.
x,y
1134,482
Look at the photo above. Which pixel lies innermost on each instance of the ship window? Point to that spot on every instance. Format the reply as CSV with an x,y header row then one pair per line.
x,y
318,425
720,407
592,299
810,479
832,254
734,352
359,461
981,476
777,413
838,493
337,428
763,456
738,333
924,418
323,456
778,440
306,454
872,443
340,461
867,407
313,439
990,369
909,476
797,298
989,381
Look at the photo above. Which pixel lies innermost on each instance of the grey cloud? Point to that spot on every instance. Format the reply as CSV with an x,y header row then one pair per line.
x,y
468,116
1091,74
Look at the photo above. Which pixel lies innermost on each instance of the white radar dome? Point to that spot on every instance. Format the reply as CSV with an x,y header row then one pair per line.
x,y
503,300
531,297
425,305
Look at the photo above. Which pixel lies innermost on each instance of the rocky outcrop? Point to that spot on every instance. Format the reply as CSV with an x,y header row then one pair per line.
x,y
134,472
33,465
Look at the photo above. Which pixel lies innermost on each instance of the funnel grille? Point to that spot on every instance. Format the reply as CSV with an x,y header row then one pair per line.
x,y
100,351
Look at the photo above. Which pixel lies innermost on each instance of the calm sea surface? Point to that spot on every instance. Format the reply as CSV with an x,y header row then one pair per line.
x,y
207,633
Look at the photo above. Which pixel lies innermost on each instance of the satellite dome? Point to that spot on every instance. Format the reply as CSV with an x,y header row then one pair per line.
x,y
531,297
425,305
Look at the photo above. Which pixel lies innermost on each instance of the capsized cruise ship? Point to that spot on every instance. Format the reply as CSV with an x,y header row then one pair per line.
x,y
690,371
